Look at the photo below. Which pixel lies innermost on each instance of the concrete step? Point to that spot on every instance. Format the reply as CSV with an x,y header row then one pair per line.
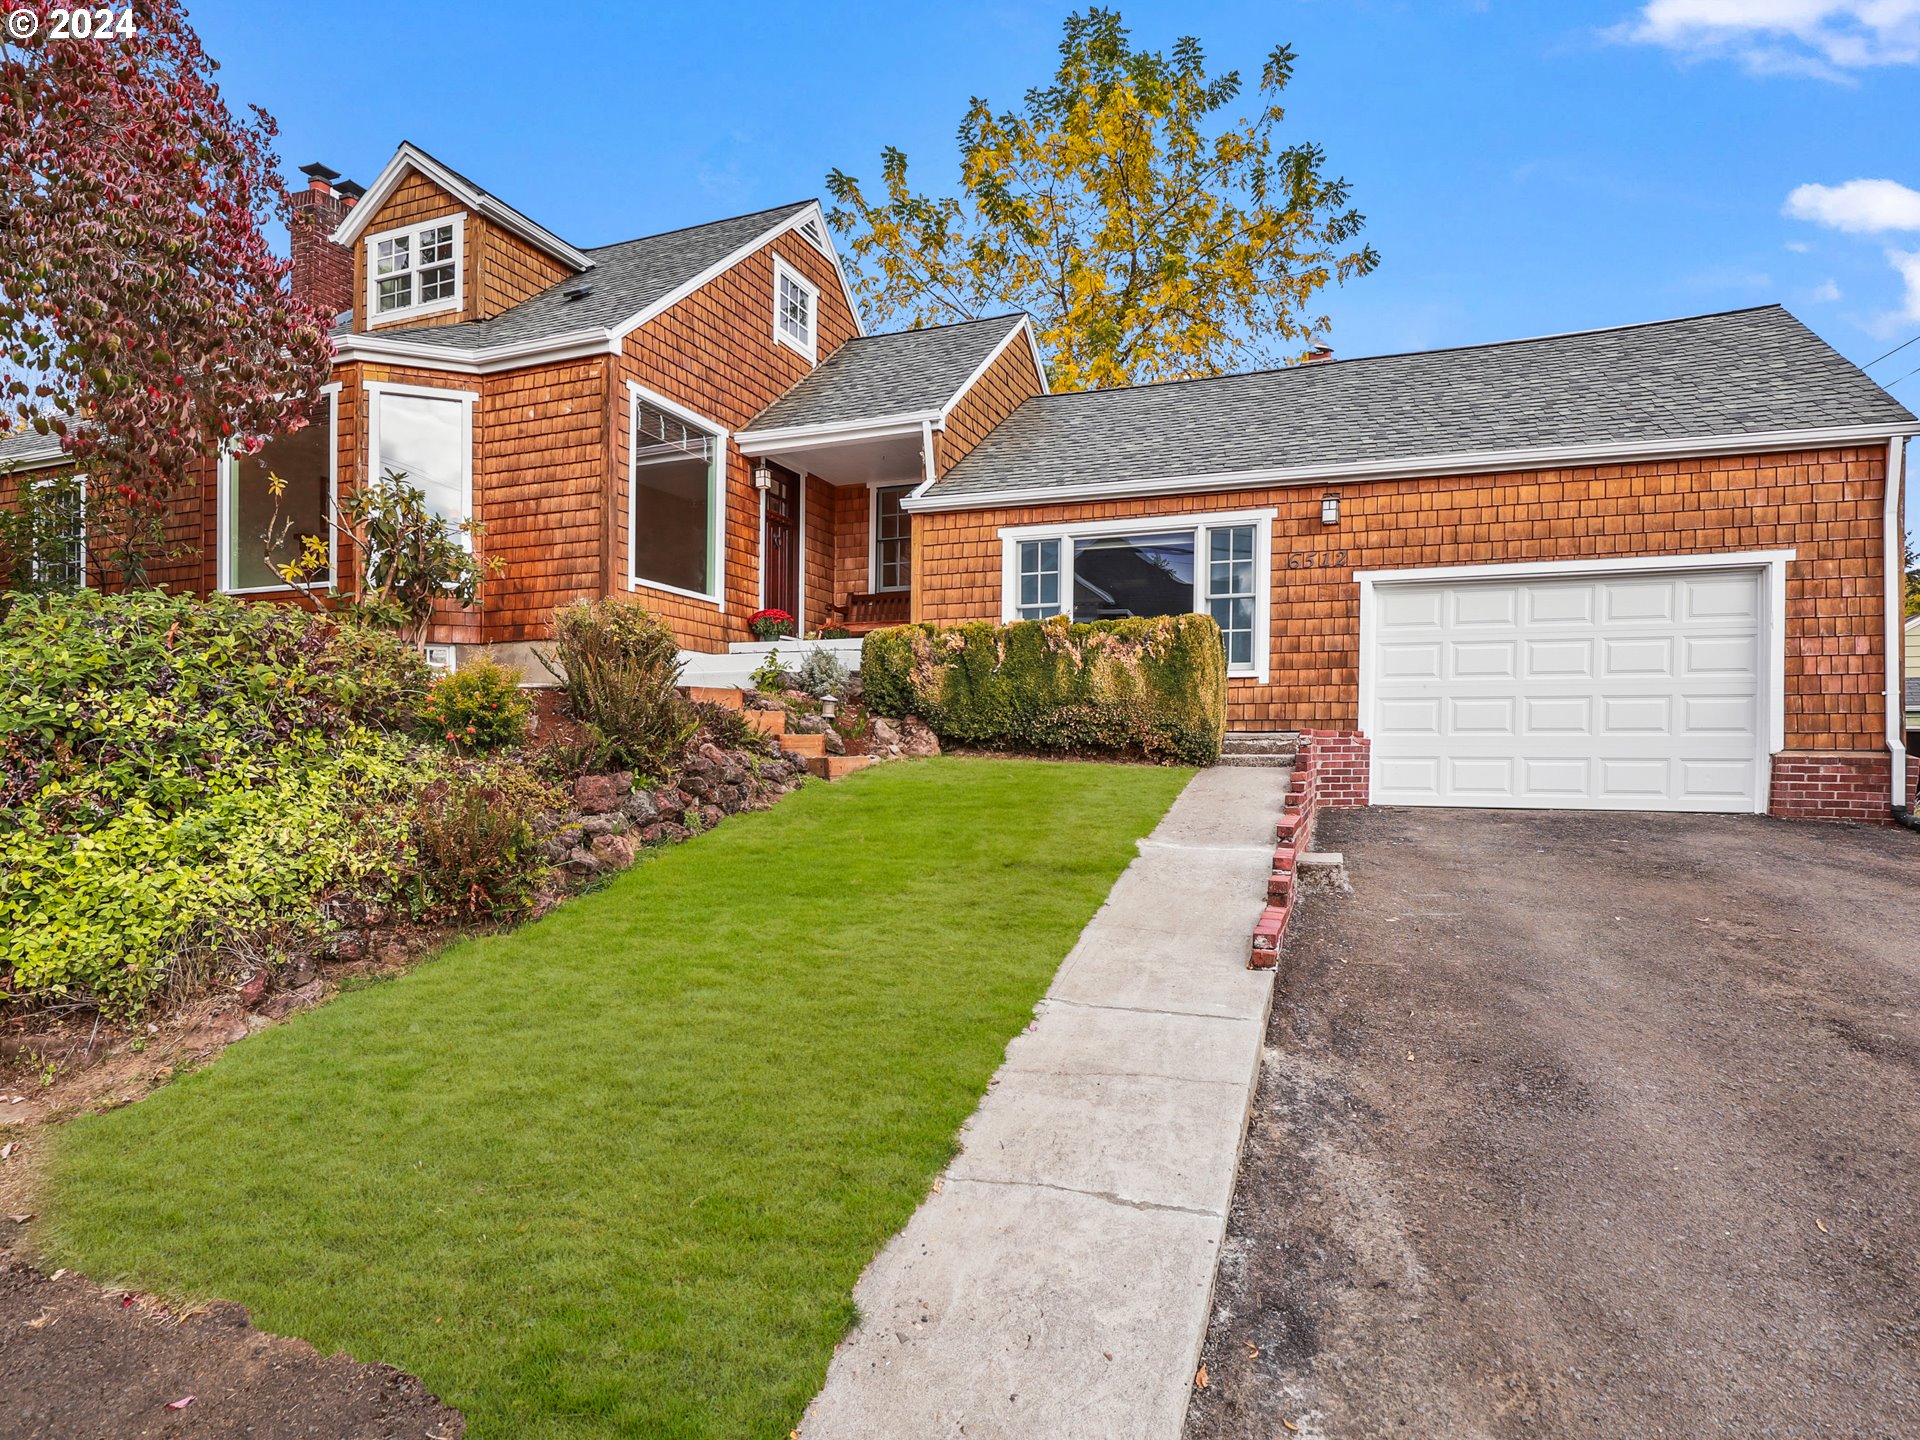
x,y
1261,743
768,722
726,696
1261,762
835,767
808,747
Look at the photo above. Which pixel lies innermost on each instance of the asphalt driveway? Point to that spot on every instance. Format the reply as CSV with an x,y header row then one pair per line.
x,y
1577,1125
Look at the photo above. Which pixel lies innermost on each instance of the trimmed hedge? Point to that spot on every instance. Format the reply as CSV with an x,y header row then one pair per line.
x,y
1154,687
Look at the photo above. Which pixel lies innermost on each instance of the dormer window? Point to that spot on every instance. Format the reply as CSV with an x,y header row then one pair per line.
x,y
796,309
415,270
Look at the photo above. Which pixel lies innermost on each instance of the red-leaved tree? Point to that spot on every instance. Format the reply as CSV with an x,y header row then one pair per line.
x,y
143,316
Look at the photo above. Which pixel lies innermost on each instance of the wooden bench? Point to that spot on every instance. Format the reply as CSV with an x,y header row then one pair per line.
x,y
861,613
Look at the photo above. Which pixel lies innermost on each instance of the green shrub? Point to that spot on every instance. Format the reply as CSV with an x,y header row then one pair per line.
x,y
174,770
476,849
1153,687
821,674
620,666
479,707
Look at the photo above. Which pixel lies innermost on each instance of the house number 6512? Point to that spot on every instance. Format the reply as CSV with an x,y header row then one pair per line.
x,y
1316,559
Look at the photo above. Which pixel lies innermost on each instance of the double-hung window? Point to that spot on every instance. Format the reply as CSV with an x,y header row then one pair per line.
x,y
59,534
1110,570
796,309
415,270
892,539
673,516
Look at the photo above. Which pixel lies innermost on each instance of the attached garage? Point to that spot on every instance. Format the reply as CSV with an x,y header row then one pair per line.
x,y
1635,685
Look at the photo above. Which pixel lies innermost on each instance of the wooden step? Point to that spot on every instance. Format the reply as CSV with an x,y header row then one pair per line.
x,y
835,767
727,697
807,746
768,722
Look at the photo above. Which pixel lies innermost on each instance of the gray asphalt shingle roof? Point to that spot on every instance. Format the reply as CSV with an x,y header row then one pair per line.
x,y
1737,373
27,448
902,373
625,279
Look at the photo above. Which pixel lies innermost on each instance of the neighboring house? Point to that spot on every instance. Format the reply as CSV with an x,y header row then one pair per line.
x,y
1913,672
1653,567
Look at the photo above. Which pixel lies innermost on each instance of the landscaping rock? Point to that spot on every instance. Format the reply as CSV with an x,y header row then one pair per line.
x,y
806,724
597,794
581,861
836,744
300,970
917,739
614,852
641,808
664,833
670,802
883,736
562,843
613,822
255,990
287,1001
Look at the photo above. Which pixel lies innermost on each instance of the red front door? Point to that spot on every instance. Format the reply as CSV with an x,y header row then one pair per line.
x,y
782,557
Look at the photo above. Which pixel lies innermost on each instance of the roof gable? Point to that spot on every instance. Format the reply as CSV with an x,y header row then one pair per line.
x,y
1737,374
905,374
410,157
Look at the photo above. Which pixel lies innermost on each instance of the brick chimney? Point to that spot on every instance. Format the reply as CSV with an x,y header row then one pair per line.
x,y
1318,354
322,270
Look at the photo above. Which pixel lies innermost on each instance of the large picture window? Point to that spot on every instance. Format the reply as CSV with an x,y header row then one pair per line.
x,y
892,539
428,439
1110,570
259,535
675,479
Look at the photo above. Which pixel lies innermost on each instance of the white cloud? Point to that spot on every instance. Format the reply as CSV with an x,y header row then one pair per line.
x,y
1810,37
1825,293
1861,207
1798,247
1907,262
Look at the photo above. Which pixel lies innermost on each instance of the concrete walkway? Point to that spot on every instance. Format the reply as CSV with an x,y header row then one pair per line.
x,y
1056,1284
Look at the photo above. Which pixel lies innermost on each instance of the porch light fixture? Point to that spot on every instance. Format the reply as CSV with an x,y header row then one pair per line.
x,y
763,476
1330,508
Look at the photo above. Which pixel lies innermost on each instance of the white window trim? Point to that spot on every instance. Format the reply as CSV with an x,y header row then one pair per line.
x,y
716,490
1771,565
377,388
223,507
377,316
33,562
1195,521
874,487
782,270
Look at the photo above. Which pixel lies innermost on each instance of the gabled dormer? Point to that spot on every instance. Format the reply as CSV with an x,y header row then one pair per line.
x,y
430,247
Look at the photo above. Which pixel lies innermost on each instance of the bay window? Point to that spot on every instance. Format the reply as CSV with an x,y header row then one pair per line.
x,y
259,532
674,486
1170,565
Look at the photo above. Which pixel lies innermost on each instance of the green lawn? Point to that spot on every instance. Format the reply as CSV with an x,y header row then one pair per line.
x,y
616,1173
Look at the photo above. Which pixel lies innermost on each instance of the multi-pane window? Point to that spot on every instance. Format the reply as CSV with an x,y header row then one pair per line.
x,y
416,268
676,468
795,304
892,539
1039,579
1168,569
1230,592
59,535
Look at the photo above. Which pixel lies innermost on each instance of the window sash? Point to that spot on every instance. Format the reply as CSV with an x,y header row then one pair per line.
x,y
892,539
659,438
417,267
1226,582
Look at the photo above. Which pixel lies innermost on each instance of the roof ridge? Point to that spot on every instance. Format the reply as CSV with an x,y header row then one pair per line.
x,y
701,225
1324,365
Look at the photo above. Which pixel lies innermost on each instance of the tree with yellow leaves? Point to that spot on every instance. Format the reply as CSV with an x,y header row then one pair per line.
x,y
1145,248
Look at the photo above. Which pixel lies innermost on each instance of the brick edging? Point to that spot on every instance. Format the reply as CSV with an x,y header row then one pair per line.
x,y
1292,835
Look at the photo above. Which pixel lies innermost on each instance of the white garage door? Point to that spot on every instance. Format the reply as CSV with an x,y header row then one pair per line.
x,y
1640,692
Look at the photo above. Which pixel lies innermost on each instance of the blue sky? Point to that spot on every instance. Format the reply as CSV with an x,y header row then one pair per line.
x,y
1525,167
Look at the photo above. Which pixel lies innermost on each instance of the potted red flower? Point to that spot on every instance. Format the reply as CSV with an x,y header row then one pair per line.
x,y
770,624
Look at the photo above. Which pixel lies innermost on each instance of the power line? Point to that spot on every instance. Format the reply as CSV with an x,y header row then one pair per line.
x,y
1894,351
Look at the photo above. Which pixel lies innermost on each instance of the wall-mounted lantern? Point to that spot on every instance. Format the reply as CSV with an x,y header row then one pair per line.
x,y
762,476
1330,508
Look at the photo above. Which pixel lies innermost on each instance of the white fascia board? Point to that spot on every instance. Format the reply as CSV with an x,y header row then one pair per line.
x,y
815,213
803,437
479,201
1896,589
391,349
42,460
1013,333
1422,466
716,270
